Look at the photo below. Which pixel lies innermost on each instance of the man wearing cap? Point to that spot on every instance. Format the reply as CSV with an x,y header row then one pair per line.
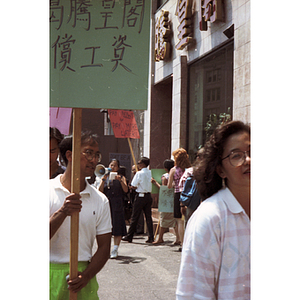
x,y
141,182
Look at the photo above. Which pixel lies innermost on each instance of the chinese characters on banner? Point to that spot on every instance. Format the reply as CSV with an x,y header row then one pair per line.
x,y
123,124
99,53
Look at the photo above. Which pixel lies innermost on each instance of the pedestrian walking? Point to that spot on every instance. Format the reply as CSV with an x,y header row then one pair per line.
x,y
189,197
182,162
215,262
141,182
115,190
132,195
167,219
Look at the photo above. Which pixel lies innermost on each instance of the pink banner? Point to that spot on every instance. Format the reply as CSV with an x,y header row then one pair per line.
x,y
60,117
123,124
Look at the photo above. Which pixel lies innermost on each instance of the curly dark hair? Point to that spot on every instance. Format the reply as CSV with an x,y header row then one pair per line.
x,y
205,170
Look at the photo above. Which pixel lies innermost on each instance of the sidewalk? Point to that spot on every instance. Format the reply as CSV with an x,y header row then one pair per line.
x,y
141,271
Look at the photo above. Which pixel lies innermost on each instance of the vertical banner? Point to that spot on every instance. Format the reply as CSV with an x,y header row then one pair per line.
x,y
99,53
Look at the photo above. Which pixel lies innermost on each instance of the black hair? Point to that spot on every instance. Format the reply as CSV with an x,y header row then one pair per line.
x,y
145,161
117,161
55,134
168,164
205,171
87,138
122,171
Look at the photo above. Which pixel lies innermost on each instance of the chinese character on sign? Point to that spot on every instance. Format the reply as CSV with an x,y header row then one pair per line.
x,y
184,14
109,21
56,12
65,53
134,13
162,33
211,10
108,4
80,12
92,64
119,53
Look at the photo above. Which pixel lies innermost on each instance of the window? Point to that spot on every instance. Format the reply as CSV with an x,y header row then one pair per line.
x,y
210,95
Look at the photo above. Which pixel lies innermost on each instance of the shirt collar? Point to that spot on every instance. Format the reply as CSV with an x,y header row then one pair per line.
x,y
233,205
57,185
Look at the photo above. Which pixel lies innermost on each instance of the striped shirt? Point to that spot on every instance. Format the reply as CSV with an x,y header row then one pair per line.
x,y
215,262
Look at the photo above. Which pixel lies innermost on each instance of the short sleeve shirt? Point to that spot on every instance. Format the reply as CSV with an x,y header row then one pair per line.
x,y
215,262
94,219
142,180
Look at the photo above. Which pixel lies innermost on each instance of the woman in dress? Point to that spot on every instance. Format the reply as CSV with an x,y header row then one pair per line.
x,y
114,190
215,262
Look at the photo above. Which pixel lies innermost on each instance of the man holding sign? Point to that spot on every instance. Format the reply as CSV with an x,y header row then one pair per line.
x,y
94,223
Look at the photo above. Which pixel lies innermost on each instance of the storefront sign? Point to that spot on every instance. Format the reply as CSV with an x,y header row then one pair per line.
x,y
184,14
211,10
99,53
162,33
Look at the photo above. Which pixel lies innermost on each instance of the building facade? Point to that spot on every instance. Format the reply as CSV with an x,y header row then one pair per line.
x,y
199,73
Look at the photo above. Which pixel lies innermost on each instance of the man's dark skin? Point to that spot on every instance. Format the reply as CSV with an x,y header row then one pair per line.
x,y
72,204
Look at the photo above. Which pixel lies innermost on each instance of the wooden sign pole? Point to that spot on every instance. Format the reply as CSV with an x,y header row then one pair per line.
x,y
131,150
75,188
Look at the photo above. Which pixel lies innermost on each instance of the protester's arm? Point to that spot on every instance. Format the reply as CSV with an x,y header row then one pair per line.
x,y
135,181
102,181
97,263
171,177
71,204
153,181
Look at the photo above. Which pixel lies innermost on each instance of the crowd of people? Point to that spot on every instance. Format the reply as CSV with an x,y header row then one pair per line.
x,y
211,217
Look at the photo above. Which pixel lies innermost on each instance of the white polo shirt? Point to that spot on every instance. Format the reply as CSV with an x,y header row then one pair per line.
x,y
142,180
94,219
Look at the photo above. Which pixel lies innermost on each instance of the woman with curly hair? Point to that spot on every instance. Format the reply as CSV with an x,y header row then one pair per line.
x,y
181,162
215,262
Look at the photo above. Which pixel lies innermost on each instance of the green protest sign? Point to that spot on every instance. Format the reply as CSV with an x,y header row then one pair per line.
x,y
166,199
99,53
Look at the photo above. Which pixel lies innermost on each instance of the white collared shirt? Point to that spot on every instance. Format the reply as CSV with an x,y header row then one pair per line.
x,y
142,180
94,219
215,262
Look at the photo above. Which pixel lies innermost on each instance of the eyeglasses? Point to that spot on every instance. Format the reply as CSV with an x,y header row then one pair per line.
x,y
237,158
89,155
